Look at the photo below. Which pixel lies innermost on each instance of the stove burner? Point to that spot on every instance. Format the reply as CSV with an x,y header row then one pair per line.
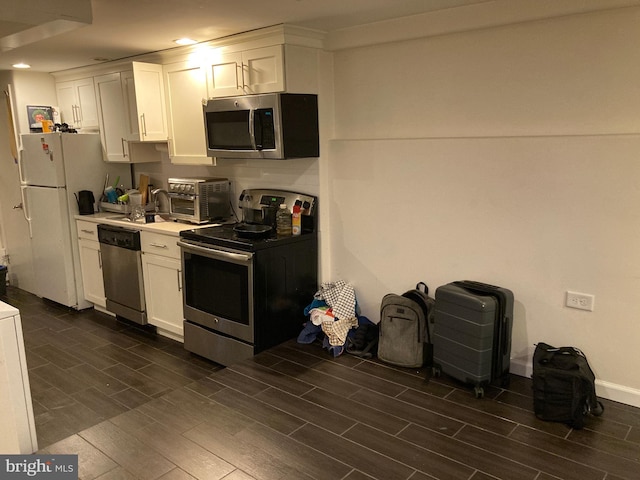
x,y
227,236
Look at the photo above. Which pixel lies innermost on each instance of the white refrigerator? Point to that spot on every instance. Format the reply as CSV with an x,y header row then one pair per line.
x,y
53,168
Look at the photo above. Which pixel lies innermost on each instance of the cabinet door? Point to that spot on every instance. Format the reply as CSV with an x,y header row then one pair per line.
x,y
77,103
163,292
112,116
149,101
66,93
87,108
91,266
263,70
224,75
186,87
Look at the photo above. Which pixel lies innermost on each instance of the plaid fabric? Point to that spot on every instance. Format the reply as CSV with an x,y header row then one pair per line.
x,y
337,331
340,296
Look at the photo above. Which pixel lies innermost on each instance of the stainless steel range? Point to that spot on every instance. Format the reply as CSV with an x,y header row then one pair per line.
x,y
245,289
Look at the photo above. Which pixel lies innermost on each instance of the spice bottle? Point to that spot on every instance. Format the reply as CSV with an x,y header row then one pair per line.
x,y
296,221
283,221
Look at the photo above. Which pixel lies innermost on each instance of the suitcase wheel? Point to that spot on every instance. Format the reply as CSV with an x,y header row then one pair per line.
x,y
478,391
436,371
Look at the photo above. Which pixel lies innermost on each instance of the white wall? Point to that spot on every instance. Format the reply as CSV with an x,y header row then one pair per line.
x,y
506,155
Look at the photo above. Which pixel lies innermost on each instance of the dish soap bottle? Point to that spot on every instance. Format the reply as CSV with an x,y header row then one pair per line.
x,y
296,221
283,221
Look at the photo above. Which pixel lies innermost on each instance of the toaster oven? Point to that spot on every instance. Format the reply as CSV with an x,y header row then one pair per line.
x,y
199,200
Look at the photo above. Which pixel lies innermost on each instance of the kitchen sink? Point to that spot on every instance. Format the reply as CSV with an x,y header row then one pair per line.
x,y
159,218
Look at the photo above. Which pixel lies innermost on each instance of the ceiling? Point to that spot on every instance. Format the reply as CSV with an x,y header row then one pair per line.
x,y
31,33
56,35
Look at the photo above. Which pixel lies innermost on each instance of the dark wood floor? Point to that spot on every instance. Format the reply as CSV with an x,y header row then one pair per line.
x,y
135,405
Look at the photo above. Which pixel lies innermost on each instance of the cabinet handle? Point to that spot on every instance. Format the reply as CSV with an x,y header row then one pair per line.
x,y
90,232
100,259
124,150
179,272
143,124
158,245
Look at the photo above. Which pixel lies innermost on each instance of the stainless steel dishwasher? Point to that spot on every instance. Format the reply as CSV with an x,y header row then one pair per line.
x,y
122,272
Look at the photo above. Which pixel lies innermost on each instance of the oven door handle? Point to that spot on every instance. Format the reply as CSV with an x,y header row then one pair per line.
x,y
217,254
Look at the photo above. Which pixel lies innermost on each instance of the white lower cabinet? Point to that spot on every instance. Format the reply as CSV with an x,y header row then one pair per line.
x,y
161,267
91,263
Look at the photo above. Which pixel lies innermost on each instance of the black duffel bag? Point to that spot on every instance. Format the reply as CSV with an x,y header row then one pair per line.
x,y
563,386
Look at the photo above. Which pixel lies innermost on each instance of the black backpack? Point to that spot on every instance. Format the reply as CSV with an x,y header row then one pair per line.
x,y
563,386
404,328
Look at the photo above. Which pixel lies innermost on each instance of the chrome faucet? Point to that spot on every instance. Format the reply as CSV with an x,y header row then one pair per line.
x,y
154,197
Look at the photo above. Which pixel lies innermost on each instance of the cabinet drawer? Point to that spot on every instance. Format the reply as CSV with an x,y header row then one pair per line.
x,y
87,230
159,244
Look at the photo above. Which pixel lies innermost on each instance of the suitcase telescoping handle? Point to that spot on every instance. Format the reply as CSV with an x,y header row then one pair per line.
x,y
422,287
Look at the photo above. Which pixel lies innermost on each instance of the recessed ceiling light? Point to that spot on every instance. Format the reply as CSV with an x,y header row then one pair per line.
x,y
184,41
21,65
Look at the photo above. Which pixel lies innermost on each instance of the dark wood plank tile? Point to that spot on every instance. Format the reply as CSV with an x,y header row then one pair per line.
x,y
271,377
93,357
601,454
508,412
400,376
123,356
174,419
450,409
297,356
205,386
318,379
356,411
131,398
118,473
451,448
532,457
248,457
165,376
56,356
411,454
239,382
54,375
178,474
411,413
171,362
137,380
100,403
259,411
92,377
349,454
306,410
52,398
183,452
91,462
360,378
129,452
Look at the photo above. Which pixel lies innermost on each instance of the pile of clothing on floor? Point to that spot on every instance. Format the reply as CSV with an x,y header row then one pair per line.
x,y
334,319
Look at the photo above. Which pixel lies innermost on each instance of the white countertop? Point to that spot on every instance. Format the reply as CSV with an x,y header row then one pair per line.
x,y
168,227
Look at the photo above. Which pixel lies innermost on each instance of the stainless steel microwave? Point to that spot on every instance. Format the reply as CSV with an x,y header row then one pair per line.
x,y
272,126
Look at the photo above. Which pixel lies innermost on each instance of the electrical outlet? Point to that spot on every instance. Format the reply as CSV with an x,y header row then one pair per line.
x,y
582,301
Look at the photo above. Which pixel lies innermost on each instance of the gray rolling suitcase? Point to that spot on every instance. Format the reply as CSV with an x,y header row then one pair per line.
x,y
472,333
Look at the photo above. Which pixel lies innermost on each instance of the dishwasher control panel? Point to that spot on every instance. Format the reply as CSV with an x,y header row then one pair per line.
x,y
119,237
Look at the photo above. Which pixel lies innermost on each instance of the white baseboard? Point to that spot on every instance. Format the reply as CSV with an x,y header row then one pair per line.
x,y
618,393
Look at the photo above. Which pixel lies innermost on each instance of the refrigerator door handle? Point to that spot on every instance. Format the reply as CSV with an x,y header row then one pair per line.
x,y
25,209
20,174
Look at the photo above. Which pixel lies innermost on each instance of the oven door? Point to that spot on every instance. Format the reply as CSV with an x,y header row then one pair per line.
x,y
218,289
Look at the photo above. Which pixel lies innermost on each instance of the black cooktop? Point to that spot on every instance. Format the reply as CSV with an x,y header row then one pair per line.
x,y
226,236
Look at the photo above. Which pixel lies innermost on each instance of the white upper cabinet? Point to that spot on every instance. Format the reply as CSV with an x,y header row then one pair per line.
x,y
77,103
259,70
111,110
143,89
131,108
186,87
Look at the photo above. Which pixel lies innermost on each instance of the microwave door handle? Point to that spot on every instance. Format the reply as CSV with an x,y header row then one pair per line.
x,y
252,126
